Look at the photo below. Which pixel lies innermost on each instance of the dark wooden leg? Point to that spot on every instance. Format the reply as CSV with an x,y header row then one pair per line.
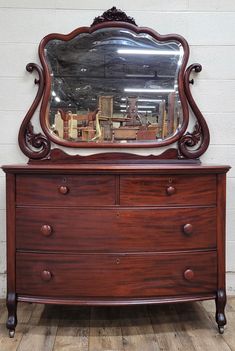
x,y
220,306
12,317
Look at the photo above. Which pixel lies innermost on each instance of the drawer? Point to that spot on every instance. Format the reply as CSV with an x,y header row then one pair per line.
x,y
65,190
168,190
111,230
115,275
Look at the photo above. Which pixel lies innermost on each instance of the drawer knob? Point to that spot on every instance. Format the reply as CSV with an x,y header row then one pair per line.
x,y
46,230
46,275
170,190
188,229
63,189
189,274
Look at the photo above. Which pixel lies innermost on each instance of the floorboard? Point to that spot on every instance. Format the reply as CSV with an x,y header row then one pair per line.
x,y
173,327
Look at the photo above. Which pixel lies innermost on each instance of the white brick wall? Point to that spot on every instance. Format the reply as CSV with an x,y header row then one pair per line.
x,y
209,27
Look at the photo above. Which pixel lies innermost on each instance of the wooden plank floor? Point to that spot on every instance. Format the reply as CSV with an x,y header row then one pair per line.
x,y
181,327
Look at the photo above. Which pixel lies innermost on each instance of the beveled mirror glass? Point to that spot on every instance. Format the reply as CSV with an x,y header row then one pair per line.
x,y
113,86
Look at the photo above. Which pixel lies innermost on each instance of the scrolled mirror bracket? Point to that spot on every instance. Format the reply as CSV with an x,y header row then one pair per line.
x,y
200,134
34,145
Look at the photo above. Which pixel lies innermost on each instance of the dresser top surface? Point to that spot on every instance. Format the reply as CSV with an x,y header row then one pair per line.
x,y
156,168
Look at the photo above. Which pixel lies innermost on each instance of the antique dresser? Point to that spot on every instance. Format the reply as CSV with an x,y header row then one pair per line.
x,y
115,227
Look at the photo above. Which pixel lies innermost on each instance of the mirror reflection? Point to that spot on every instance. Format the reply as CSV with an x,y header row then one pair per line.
x,y
114,86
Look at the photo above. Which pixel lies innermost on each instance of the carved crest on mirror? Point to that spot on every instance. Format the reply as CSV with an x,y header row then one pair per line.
x,y
114,85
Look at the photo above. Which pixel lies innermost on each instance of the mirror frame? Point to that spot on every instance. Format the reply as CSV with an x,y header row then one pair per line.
x,y
38,146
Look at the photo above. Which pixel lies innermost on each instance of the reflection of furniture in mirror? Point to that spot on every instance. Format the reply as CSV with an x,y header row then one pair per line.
x,y
105,115
106,106
126,74
72,126
153,225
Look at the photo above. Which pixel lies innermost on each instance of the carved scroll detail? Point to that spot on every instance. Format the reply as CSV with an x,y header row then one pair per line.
x,y
113,14
28,140
200,133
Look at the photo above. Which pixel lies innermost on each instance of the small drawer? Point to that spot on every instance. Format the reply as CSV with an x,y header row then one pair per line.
x,y
168,190
65,190
116,275
112,230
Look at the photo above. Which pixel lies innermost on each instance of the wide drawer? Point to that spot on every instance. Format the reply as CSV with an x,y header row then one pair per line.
x,y
112,230
140,190
115,275
65,190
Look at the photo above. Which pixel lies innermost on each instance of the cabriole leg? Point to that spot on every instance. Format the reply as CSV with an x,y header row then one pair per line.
x,y
220,306
12,316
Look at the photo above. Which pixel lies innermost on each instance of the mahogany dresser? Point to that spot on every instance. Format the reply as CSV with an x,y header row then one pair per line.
x,y
114,228
107,234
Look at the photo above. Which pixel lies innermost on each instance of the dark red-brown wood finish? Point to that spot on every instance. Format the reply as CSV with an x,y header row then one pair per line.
x,y
115,228
38,146
151,245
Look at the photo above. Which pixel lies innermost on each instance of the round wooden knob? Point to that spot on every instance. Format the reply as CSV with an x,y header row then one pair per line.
x,y
170,190
63,189
189,274
46,275
188,229
46,230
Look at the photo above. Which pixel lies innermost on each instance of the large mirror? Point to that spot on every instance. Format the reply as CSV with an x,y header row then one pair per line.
x,y
113,86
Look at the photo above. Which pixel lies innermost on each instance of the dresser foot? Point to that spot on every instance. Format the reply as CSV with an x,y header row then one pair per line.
x,y
11,333
221,330
220,306
12,317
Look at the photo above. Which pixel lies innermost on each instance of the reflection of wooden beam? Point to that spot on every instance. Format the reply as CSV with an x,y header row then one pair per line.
x,y
120,119
171,113
114,119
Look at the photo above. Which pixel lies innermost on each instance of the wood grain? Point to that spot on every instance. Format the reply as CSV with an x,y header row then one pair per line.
x,y
115,234
127,230
116,275
90,190
188,326
146,190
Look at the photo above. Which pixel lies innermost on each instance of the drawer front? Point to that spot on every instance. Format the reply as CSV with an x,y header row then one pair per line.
x,y
110,230
168,190
115,275
59,190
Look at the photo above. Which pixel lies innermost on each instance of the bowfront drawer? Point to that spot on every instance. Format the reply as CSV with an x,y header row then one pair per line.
x,y
115,275
63,190
168,190
110,230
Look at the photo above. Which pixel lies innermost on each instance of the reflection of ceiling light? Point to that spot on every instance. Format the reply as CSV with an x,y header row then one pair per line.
x,y
142,111
144,100
140,106
134,90
146,106
53,93
148,52
149,100
140,75
57,99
